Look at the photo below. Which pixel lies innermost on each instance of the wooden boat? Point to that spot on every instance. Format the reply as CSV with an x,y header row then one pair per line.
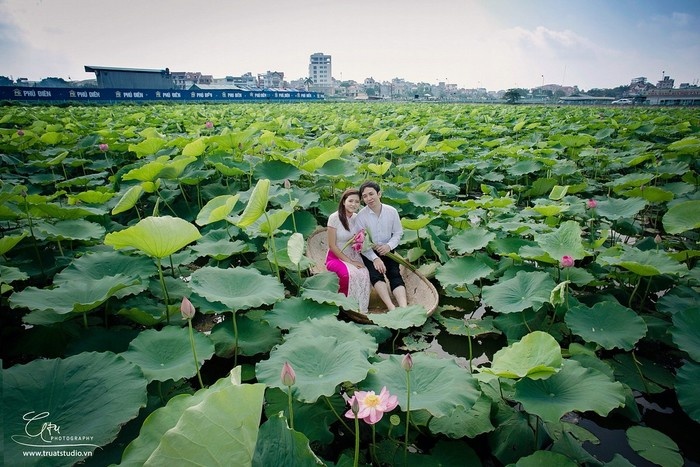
x,y
419,290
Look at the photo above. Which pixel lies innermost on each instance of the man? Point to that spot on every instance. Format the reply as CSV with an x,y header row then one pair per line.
x,y
384,226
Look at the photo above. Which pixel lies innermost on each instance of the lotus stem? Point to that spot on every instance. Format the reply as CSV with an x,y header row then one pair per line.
x,y
357,442
165,291
372,451
194,353
634,291
471,351
408,416
85,323
235,340
337,415
291,409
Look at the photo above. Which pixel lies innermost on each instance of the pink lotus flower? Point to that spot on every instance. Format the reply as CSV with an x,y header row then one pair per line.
x,y
288,376
566,261
187,309
591,204
104,147
208,125
372,406
20,132
359,240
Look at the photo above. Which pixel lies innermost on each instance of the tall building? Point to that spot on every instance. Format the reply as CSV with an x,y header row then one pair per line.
x,y
320,72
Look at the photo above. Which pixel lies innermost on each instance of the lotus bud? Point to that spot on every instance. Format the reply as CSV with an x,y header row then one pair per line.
x,y
187,309
658,239
566,261
104,147
355,405
287,184
288,376
591,204
208,125
20,132
407,362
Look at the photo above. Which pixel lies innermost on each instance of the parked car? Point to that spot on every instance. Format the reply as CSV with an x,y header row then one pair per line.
x,y
623,102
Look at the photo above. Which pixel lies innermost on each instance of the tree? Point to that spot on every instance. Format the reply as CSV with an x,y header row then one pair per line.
x,y
5,81
308,82
512,96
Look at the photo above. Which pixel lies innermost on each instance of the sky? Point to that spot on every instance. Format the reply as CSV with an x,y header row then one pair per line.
x,y
494,44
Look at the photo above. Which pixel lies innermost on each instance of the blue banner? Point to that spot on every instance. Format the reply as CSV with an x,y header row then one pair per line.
x,y
105,95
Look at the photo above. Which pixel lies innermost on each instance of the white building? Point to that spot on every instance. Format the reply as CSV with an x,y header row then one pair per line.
x,y
320,72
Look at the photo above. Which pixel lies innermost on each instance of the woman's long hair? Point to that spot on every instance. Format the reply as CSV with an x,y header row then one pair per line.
x,y
342,215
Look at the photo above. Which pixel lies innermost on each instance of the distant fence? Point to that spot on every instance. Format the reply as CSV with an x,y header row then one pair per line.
x,y
107,95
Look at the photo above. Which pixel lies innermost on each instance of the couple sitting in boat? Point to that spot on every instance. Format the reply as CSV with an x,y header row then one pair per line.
x,y
358,266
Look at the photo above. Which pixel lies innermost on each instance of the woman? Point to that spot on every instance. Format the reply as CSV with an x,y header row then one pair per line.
x,y
353,277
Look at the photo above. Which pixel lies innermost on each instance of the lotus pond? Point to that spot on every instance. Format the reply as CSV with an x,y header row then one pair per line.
x,y
154,286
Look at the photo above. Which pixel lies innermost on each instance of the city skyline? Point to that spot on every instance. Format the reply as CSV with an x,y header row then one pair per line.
x,y
495,45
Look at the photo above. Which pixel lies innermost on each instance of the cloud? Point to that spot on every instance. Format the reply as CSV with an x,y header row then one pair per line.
x,y
554,44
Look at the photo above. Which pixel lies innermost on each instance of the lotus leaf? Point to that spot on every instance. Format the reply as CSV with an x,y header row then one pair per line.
x,y
566,240
654,446
471,240
195,149
682,217
333,298
525,290
687,379
331,327
217,244
424,200
217,209
167,354
437,385
147,147
641,374
615,208
574,388
401,317
607,323
255,337
156,236
55,393
279,445
646,263
74,296
238,288
545,459
288,313
8,242
128,200
686,331
536,356
463,422
320,363
218,425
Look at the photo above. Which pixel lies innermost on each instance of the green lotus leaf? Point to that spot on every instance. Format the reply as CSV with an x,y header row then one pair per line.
x,y
654,446
128,200
295,247
471,240
682,217
290,312
332,298
608,324
545,459
314,420
463,422
276,171
195,149
678,298
525,290
273,220
651,193
641,374
549,210
536,356
75,296
320,363
56,211
558,192
219,424
86,398
147,147
462,270
9,274
217,244
686,331
167,354
256,204
330,327
238,288
687,379
417,223
437,385
77,229
91,197
156,236
217,209
631,180
615,208
8,242
279,445
401,317
150,171
254,337
423,199
574,388
319,159
566,240
646,263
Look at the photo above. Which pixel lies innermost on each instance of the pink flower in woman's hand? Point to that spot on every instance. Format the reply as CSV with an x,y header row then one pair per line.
x,y
359,240
372,406
104,147
591,204
566,261
208,125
